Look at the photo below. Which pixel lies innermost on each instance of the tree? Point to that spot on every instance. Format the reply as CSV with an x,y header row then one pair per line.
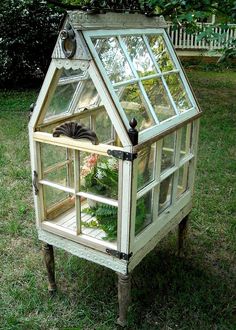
x,y
28,34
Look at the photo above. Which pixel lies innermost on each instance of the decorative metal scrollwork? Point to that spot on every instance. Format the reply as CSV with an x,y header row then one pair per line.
x,y
75,131
68,41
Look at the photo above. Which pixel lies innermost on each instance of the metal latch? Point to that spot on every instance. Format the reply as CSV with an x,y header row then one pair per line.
x,y
35,183
122,155
119,255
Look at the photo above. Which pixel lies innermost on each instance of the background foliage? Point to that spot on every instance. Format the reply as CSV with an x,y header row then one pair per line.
x,y
29,29
28,34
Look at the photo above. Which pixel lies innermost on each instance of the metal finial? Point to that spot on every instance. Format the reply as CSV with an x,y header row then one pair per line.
x,y
133,132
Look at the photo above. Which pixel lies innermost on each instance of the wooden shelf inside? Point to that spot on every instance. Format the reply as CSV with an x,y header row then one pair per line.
x,y
67,221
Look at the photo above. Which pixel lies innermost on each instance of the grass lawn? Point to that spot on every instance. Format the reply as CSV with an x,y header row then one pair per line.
x,y
195,292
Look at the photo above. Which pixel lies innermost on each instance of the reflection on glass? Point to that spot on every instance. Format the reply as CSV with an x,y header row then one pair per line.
x,y
62,175
56,201
160,52
178,92
113,59
146,166
165,196
159,98
144,209
103,126
139,55
50,155
99,175
61,99
132,102
99,220
185,140
87,95
168,151
68,73
183,179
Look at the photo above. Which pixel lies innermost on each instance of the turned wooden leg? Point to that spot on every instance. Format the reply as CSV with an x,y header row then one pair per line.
x,y
48,256
124,287
182,234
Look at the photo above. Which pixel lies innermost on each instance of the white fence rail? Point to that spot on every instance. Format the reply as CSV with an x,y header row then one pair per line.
x,y
185,41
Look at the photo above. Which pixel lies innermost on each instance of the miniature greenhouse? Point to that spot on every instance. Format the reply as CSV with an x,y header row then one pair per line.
x,y
113,140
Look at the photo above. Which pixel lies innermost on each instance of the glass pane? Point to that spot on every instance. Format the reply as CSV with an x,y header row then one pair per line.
x,y
165,196
99,220
183,179
168,152
57,165
160,52
185,141
61,99
159,98
139,55
144,209
146,166
87,95
113,59
56,201
71,73
103,127
132,102
178,92
99,175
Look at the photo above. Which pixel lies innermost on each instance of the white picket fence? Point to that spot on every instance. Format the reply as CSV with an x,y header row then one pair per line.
x,y
185,41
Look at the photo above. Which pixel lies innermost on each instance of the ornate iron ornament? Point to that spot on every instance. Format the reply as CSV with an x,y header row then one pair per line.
x,y
68,41
75,131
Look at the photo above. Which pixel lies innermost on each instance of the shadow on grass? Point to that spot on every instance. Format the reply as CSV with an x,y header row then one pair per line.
x,y
170,292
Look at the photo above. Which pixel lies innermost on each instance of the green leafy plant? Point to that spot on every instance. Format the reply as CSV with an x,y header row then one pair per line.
x,y
100,177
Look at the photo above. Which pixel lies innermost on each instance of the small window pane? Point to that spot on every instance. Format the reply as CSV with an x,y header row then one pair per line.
x,y
132,102
165,197
168,152
183,179
178,92
159,98
61,99
57,165
103,126
87,95
99,175
113,59
144,209
139,55
160,52
185,141
56,202
146,166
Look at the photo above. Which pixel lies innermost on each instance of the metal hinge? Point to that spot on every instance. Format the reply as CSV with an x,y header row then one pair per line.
x,y
35,183
119,255
122,155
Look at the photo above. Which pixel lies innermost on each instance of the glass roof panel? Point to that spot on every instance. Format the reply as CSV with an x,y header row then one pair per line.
x,y
160,52
134,105
178,92
139,55
113,59
159,99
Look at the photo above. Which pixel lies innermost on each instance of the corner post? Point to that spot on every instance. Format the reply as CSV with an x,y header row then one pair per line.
x,y
182,234
124,288
48,256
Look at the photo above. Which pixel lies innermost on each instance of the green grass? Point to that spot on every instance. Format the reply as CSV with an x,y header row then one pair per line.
x,y
194,292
